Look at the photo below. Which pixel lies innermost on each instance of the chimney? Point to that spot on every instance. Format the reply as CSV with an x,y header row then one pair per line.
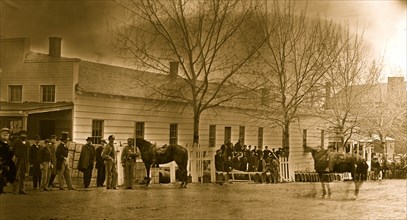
x,y
174,68
55,47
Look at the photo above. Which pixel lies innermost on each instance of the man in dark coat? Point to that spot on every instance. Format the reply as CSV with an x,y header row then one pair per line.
x,y
62,163
20,149
53,151
86,161
100,165
45,160
7,166
34,160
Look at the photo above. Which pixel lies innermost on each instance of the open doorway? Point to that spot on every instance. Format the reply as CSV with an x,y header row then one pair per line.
x,y
47,128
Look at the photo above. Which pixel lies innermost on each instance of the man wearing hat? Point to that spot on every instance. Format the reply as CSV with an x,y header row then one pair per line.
x,y
34,160
45,163
128,160
62,163
20,148
7,166
109,155
86,161
53,169
100,164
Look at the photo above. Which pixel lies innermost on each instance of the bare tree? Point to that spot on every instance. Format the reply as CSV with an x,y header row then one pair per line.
x,y
349,79
298,53
211,41
385,112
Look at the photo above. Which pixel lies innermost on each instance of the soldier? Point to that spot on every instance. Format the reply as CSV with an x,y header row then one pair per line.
x,y
20,148
100,165
33,158
86,161
62,163
7,166
109,155
128,159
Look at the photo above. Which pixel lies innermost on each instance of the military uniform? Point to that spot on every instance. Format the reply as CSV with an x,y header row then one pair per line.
x,y
109,155
128,160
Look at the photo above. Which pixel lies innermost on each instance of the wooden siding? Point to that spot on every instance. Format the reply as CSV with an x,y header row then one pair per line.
x,y
32,74
120,115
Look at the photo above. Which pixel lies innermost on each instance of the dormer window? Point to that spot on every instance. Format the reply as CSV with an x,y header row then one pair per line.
x,y
15,93
48,93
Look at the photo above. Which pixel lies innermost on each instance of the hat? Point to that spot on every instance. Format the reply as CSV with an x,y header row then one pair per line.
x,y
5,129
130,139
64,136
47,141
112,136
36,137
89,138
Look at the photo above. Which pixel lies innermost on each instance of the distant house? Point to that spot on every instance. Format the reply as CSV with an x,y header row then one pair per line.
x,y
47,94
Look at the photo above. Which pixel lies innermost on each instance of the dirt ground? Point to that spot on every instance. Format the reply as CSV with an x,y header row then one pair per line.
x,y
385,200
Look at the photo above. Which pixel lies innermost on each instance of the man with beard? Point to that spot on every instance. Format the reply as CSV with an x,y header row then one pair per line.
x,y
86,161
21,147
7,166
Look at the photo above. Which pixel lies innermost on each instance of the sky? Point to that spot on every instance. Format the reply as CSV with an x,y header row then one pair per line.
x,y
84,26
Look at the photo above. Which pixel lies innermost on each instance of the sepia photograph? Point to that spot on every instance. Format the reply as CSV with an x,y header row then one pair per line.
x,y
203,109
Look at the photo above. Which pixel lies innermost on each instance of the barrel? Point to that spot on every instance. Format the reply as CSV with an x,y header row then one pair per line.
x,y
164,177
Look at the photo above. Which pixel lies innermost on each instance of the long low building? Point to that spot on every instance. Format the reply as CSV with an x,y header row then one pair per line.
x,y
47,94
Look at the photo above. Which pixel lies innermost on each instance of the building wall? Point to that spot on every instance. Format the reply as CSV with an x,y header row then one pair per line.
x,y
32,73
121,114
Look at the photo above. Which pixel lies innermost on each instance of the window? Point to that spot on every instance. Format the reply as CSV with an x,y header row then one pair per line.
x,y
48,93
304,137
173,133
15,93
139,130
15,126
260,137
228,134
242,134
212,135
97,131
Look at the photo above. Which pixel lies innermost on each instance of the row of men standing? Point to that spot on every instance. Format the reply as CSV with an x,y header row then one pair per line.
x,y
106,163
44,162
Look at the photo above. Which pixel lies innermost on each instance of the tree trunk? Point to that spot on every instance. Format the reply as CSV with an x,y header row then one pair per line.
x,y
197,116
286,139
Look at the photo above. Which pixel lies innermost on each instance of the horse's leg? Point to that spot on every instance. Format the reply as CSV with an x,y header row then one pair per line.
x,y
329,189
323,188
148,174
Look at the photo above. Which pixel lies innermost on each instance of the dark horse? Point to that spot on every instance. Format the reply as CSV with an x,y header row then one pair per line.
x,y
172,152
326,162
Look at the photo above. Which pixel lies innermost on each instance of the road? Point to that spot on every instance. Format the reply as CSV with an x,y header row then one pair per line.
x,y
385,200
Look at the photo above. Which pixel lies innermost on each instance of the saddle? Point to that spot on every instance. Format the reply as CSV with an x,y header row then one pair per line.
x,y
160,150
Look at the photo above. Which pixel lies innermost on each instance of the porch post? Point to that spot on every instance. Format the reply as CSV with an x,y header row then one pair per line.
x,y
25,121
